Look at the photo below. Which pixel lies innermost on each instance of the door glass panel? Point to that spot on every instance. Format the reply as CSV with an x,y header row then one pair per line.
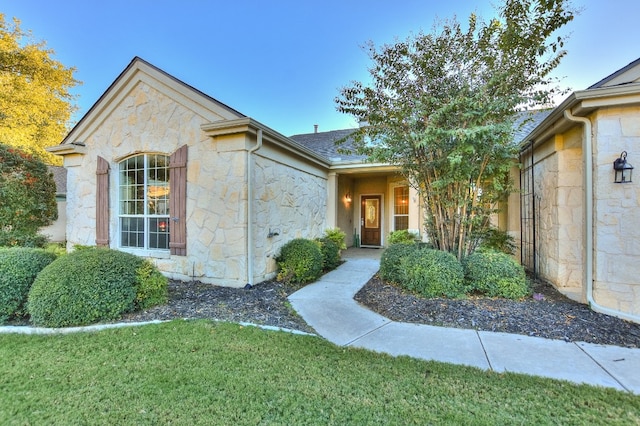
x,y
372,217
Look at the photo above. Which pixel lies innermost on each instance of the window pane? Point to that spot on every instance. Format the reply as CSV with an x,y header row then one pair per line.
x,y
132,232
401,222
401,200
159,233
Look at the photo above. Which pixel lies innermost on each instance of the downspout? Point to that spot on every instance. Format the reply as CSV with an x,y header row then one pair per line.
x,y
250,203
588,227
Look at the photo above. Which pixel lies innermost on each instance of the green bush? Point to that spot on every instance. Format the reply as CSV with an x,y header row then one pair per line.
x,y
433,273
337,236
10,238
495,274
300,261
18,269
402,237
151,286
330,254
390,267
91,285
498,240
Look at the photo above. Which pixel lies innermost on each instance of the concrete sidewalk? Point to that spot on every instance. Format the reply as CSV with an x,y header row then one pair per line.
x,y
328,306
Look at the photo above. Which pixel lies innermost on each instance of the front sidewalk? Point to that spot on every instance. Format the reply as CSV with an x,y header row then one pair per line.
x,y
328,306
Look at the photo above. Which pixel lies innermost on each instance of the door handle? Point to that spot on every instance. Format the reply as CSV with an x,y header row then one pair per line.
x,y
361,222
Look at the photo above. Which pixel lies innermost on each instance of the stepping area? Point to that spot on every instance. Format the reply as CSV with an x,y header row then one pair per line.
x,y
328,306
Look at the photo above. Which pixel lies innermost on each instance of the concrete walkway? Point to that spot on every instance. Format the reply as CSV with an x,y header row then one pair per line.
x,y
328,306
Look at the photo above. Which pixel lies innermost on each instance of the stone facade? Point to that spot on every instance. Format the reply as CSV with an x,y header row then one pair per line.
x,y
616,211
150,116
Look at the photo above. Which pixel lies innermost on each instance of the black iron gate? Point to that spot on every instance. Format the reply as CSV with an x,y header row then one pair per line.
x,y
528,217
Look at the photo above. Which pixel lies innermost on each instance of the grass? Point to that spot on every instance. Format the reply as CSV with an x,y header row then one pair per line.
x,y
201,372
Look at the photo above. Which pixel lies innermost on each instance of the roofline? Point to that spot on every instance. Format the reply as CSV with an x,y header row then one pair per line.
x,y
134,61
614,75
581,103
249,125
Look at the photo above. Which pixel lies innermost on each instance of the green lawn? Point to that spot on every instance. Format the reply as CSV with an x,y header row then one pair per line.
x,y
200,372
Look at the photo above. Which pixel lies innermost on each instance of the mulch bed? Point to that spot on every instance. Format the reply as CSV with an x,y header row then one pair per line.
x,y
549,314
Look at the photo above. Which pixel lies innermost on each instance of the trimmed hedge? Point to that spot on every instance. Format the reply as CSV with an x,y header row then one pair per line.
x,y
391,269
18,270
330,254
402,237
433,273
300,261
92,285
495,274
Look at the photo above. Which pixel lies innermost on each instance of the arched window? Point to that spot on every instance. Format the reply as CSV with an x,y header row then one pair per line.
x,y
143,202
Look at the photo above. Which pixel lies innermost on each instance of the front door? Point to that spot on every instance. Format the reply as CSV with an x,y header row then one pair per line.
x,y
370,220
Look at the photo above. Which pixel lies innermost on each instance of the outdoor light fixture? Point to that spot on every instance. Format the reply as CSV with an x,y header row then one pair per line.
x,y
622,169
347,197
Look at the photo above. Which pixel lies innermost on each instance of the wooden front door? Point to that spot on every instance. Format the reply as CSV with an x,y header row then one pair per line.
x,y
370,220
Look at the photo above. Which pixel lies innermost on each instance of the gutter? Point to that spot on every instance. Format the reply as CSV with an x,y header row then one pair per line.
x,y
588,227
250,208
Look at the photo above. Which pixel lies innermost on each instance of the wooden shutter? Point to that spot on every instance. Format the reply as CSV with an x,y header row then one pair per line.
x,y
102,203
178,201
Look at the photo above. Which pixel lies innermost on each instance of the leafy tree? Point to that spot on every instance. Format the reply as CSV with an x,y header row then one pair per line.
x,y
441,106
27,197
35,102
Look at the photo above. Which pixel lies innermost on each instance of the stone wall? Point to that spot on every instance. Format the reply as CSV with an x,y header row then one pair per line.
x,y
616,211
148,120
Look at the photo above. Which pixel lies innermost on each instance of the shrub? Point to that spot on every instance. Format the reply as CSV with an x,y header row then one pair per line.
x,y
92,285
390,262
18,269
300,261
498,240
433,273
402,237
330,254
151,286
495,274
337,236
27,198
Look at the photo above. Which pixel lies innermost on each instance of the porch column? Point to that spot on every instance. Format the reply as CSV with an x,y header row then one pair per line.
x,y
332,200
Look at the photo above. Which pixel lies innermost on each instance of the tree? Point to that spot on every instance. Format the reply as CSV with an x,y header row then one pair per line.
x,y
35,102
27,197
441,106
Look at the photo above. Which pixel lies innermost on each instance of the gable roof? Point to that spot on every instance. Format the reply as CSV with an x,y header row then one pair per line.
x,y
324,144
135,71
625,75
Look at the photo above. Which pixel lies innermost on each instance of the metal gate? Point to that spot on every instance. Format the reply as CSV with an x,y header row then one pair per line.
x,y
529,218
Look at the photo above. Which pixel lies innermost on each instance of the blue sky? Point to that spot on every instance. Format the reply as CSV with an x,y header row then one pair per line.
x,y
283,62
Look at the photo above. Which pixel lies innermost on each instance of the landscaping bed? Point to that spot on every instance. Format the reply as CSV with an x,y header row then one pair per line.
x,y
548,314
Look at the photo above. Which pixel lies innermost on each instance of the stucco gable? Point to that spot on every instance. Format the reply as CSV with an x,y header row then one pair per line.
x,y
141,72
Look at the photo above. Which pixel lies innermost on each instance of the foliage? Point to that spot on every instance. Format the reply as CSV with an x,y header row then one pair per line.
x,y
87,286
402,237
18,269
441,107
27,198
495,274
391,269
198,373
35,99
337,236
300,261
151,286
330,254
433,273
498,240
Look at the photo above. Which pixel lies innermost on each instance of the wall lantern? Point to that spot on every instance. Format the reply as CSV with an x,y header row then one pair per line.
x,y
347,197
622,169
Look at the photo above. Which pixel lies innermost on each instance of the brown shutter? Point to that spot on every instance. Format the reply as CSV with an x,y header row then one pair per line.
x,y
102,203
178,201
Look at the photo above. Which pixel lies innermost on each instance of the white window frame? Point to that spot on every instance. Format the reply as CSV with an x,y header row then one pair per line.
x,y
145,250
393,206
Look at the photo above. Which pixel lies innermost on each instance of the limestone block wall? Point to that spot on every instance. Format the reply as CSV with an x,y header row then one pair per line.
x,y
289,201
147,121
616,211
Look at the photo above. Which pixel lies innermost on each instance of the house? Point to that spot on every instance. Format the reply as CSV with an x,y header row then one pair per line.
x,y
576,227
56,232
239,190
